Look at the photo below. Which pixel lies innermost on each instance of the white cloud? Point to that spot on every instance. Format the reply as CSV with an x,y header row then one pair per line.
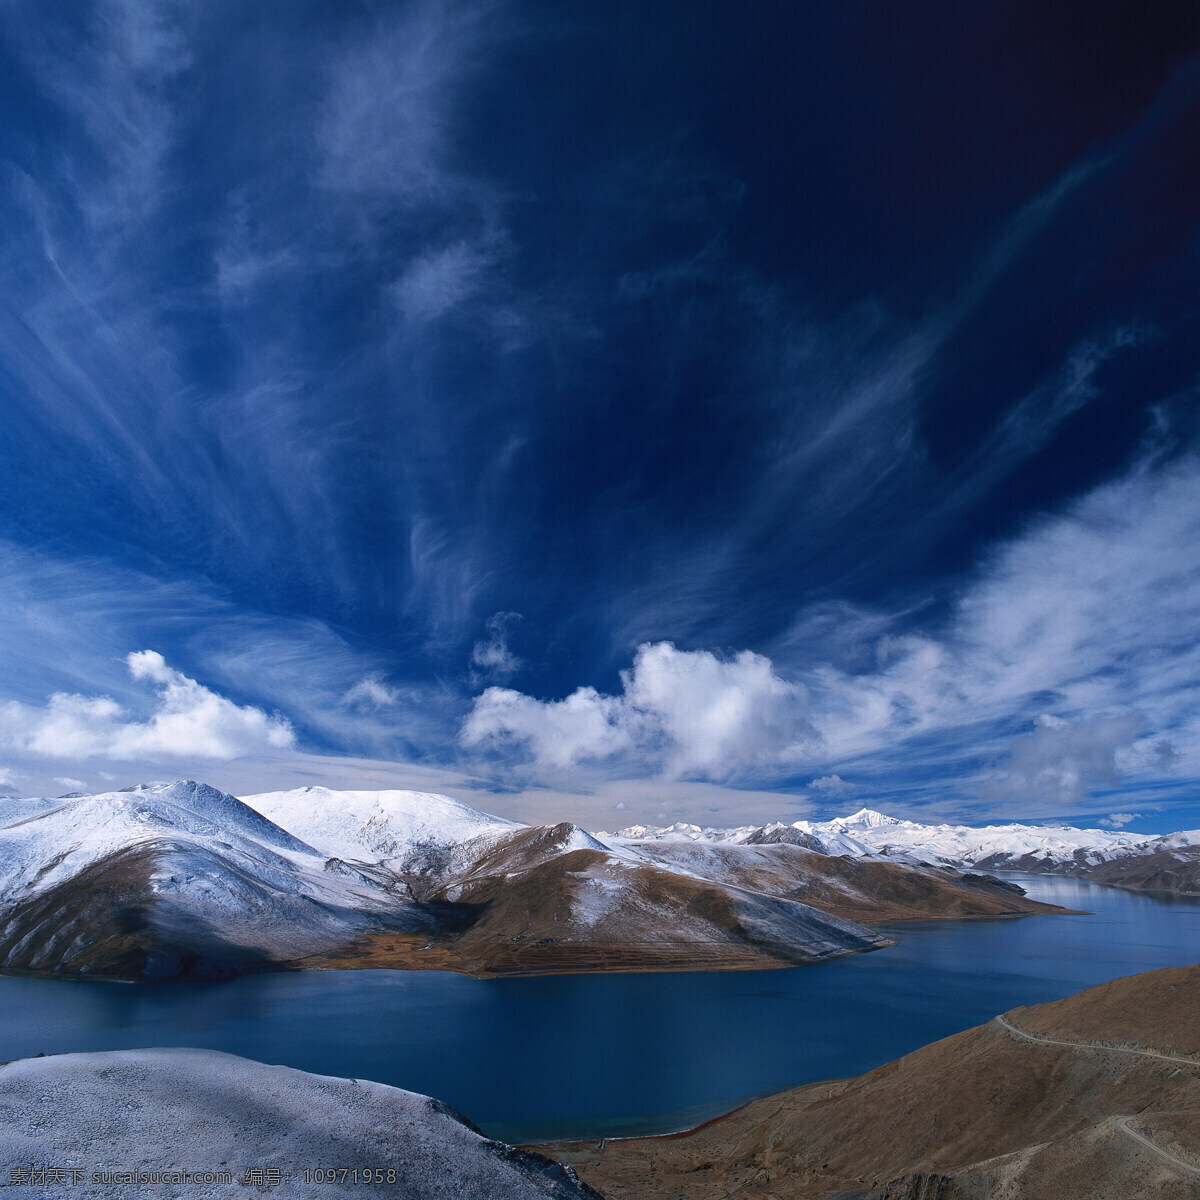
x,y
7,777
1068,664
1119,819
833,785
718,717
1090,618
188,720
492,655
371,692
385,129
68,782
558,733
682,713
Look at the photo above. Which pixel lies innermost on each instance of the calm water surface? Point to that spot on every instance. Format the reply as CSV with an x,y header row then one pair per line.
x,y
619,1054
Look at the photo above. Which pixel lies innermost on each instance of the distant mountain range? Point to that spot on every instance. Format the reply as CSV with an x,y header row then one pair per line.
x,y
1167,863
180,880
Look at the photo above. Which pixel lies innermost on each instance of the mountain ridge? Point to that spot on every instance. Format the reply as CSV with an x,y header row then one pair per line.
x,y
180,880
1156,862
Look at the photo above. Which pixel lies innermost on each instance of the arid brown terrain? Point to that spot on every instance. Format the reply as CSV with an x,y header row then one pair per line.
x,y
1095,1097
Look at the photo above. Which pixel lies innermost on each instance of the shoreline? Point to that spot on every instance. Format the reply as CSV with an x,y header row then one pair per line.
x,y
398,951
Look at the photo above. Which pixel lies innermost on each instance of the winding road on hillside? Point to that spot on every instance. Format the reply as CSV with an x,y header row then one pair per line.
x,y
1121,1123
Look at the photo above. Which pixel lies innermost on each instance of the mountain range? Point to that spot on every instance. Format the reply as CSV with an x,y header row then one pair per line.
x,y
180,880
1163,863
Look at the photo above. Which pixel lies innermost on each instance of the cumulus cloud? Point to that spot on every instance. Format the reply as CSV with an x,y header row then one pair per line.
x,y
557,733
832,785
1066,665
68,782
718,716
685,714
188,720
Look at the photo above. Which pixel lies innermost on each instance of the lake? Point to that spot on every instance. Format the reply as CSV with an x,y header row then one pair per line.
x,y
585,1055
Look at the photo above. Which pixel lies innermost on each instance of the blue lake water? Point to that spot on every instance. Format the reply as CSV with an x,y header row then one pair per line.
x,y
583,1055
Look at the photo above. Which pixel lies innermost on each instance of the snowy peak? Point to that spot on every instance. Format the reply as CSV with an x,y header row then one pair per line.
x,y
566,837
1120,858
169,879
384,826
868,818
223,813
49,841
1184,839
870,833
162,880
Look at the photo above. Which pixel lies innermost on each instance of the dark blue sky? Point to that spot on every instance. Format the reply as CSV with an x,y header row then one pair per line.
x,y
669,402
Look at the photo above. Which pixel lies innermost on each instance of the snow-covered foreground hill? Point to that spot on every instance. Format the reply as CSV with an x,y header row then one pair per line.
x,y
175,880
212,1126
1165,863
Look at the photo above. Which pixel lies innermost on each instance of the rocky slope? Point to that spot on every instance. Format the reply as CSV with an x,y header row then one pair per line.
x,y
178,880
113,1125
1096,1097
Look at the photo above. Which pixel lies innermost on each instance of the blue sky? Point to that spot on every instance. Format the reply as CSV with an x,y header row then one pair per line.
x,y
721,414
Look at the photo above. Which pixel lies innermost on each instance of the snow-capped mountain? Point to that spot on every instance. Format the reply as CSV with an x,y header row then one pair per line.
x,y
180,879
559,898
1166,863
966,845
830,840
389,827
167,879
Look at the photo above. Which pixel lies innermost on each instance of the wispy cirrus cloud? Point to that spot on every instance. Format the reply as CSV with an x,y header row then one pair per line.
x,y
323,339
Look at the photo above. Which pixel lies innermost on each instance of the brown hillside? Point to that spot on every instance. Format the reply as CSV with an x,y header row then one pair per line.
x,y
987,1113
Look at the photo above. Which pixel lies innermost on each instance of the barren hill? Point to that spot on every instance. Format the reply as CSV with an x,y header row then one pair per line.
x,y
1096,1097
